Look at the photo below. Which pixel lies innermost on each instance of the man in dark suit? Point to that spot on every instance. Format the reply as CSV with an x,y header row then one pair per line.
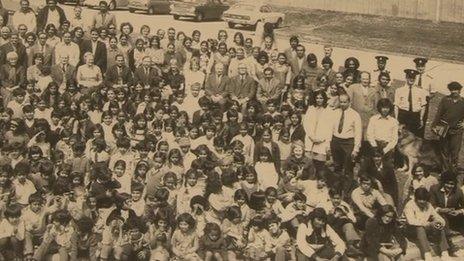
x,y
14,45
63,73
41,46
145,75
50,14
97,48
216,84
242,87
299,64
119,75
12,75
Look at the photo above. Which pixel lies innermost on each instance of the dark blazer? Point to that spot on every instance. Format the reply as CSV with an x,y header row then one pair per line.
x,y
112,76
58,75
241,90
213,87
20,50
377,233
275,153
142,78
4,13
48,53
455,199
18,79
42,17
100,54
298,133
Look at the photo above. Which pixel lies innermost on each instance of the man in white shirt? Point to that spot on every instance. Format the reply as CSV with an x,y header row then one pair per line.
x,y
25,16
410,102
382,130
67,48
346,137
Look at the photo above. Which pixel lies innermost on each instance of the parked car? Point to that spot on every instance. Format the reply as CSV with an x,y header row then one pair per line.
x,y
14,5
112,4
150,6
250,14
198,9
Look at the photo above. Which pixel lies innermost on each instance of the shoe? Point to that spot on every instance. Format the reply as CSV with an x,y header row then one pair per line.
x,y
428,256
353,251
445,256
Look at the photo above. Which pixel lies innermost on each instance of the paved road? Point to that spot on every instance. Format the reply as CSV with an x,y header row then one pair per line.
x,y
442,72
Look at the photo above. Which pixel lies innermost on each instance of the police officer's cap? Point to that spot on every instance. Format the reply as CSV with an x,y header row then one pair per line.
x,y
381,58
411,73
420,61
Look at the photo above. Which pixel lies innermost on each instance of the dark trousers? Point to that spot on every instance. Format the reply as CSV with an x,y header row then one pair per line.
x,y
420,236
451,146
343,163
411,121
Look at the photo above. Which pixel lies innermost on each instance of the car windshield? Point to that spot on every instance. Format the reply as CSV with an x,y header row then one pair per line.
x,y
245,7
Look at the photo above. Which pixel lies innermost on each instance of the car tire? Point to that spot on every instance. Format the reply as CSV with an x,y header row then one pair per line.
x,y
131,10
199,17
278,23
231,24
253,27
176,17
112,5
151,10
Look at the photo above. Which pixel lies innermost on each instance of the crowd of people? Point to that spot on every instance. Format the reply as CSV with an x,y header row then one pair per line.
x,y
164,145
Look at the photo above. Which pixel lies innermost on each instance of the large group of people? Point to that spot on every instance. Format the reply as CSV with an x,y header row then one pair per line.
x,y
164,145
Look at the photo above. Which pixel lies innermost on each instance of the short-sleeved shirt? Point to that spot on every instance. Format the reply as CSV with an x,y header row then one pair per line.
x,y
419,98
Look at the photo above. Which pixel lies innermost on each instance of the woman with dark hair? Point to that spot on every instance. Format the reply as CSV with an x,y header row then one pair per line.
x,y
221,56
155,51
316,240
328,71
383,239
424,222
239,40
262,62
53,38
127,29
420,178
136,55
317,129
351,67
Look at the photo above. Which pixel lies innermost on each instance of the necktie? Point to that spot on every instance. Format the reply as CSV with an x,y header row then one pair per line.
x,y
64,67
241,80
420,80
410,98
342,120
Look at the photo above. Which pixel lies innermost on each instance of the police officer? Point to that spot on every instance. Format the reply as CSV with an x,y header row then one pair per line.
x,y
410,102
424,81
381,66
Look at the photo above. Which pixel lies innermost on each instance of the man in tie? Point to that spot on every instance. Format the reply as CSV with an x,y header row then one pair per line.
x,y
67,48
119,75
242,87
299,63
269,88
216,84
12,76
145,75
41,46
410,102
345,140
62,73
103,18
97,48
424,81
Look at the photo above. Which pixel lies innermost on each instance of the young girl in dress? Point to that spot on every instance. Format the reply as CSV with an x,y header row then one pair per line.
x,y
265,169
250,184
122,176
241,200
175,165
190,189
184,241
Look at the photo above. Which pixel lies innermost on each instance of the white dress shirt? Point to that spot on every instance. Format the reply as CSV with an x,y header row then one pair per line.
x,y
383,129
352,126
419,97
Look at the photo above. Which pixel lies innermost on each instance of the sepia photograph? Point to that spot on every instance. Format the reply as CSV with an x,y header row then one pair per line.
x,y
231,130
